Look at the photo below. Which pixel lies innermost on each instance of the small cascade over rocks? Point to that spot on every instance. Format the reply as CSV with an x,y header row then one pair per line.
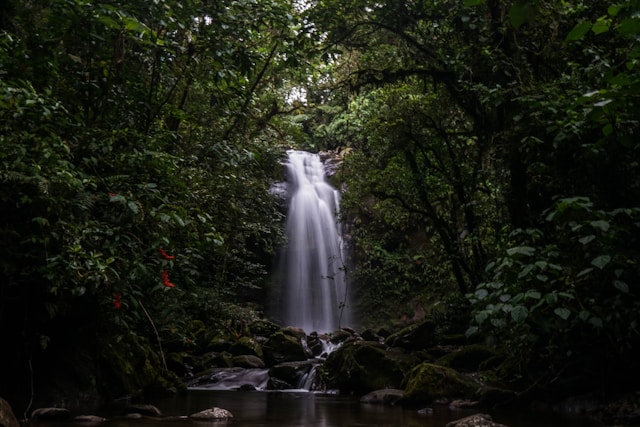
x,y
311,290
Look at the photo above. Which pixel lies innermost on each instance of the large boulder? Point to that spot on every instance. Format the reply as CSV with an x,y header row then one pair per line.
x,y
248,361
420,336
428,382
280,348
363,366
263,328
246,345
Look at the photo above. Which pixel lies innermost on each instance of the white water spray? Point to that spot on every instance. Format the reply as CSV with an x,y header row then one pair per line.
x,y
312,267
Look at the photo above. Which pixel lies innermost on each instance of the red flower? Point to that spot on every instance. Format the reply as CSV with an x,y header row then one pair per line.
x,y
165,279
165,255
116,301
112,194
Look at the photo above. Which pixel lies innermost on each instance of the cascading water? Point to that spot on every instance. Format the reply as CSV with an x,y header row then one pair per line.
x,y
313,293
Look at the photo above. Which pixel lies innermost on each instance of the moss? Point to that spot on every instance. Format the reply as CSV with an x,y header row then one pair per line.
x,y
362,367
469,358
428,382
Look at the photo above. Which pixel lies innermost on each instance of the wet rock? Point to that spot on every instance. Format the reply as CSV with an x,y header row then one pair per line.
x,y
425,412
420,336
7,417
387,396
247,361
263,328
281,348
212,414
89,419
51,414
144,410
458,404
370,335
476,420
340,336
294,332
428,382
363,366
246,345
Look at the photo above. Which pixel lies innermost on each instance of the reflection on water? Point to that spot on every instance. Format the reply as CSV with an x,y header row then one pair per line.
x,y
305,409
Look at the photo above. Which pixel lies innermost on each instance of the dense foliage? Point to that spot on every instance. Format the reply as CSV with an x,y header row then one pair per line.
x,y
494,154
491,175
137,151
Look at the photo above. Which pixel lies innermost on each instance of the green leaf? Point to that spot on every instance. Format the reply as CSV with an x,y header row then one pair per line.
x,y
601,261
519,14
586,239
578,32
601,224
596,321
519,313
621,286
562,312
601,25
473,2
521,250
133,207
531,293
629,27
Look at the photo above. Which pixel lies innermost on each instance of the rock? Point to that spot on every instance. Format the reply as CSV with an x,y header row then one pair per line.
x,y
294,332
89,419
476,420
364,366
51,414
248,361
212,414
458,404
246,345
133,416
7,417
468,358
340,336
315,344
145,410
386,396
263,328
425,412
428,382
420,336
370,335
288,375
219,344
281,348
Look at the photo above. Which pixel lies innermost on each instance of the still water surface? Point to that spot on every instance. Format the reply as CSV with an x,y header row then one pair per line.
x,y
305,409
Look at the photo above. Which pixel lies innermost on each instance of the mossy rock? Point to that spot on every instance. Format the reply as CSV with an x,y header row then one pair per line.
x,y
428,382
281,348
363,366
469,358
420,336
246,345
248,361
263,328
219,343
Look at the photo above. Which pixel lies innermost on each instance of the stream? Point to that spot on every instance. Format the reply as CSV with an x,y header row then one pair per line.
x,y
308,409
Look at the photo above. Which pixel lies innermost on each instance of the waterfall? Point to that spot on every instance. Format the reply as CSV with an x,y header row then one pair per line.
x,y
313,286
